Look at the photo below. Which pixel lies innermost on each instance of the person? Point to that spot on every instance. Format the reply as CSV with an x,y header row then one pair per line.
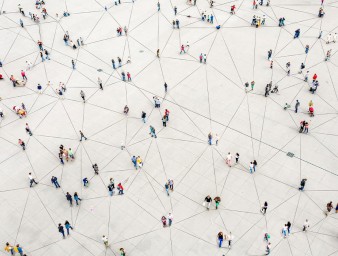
x,y
166,186
207,201
297,106
126,110
209,138
237,158
120,188
228,159
166,114
143,116
251,166
216,139
220,238
28,130
297,33
264,208
139,162
302,184
164,221
122,252
77,198
69,198
171,184
289,227
170,218
73,64
96,168
22,144
229,237
267,249
68,226
158,53
82,94
284,231
82,136
329,207
337,208
85,182
9,248
164,121
105,240
99,81
217,200
54,180
61,230
165,87
31,180
254,165
266,237
18,249
306,225
152,132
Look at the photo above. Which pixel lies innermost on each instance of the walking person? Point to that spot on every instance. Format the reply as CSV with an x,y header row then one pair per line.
x,y
228,159
105,240
143,116
166,186
54,180
164,121
302,184
209,138
23,75
31,180
170,218
9,248
288,227
73,64
229,237
264,208
28,130
19,249
82,94
77,198
61,230
254,165
306,225
96,168
47,54
69,198
165,87
207,201
68,226
237,158
82,136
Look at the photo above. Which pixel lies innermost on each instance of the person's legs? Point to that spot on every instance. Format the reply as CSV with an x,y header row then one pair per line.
x,y
220,243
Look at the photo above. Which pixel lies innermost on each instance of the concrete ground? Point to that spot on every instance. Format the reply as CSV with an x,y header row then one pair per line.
x,y
201,98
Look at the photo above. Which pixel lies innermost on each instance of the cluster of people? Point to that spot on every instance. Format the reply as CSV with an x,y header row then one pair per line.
x,y
203,58
111,187
20,111
62,230
208,200
281,22
169,185
176,24
257,21
65,153
14,249
331,38
70,198
224,237
137,162
207,17
69,42
164,219
119,31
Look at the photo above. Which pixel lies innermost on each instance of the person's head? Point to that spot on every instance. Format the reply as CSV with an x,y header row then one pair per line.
x,y
30,173
59,224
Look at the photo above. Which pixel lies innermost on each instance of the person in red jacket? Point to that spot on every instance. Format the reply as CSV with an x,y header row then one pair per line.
x,y
120,188
314,78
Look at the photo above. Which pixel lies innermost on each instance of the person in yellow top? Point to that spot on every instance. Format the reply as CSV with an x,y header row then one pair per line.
x,y
9,248
139,162
310,103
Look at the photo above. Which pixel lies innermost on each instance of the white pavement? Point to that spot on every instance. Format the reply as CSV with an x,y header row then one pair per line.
x,y
202,98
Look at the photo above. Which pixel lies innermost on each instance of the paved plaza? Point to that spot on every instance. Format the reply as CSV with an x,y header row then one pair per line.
x,y
202,98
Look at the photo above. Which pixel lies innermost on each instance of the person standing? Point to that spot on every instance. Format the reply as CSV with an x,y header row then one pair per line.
x,y
217,200
329,207
264,208
207,201
209,138
77,199
54,180
164,221
297,106
82,94
165,87
220,239
31,180
61,230
306,225
82,136
170,218
68,226
69,198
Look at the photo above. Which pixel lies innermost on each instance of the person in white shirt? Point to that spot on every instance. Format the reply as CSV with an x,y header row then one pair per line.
x,y
228,160
170,218
306,225
31,179
105,240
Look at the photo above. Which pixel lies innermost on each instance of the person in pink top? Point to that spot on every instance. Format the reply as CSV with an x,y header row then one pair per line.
x,y
23,74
